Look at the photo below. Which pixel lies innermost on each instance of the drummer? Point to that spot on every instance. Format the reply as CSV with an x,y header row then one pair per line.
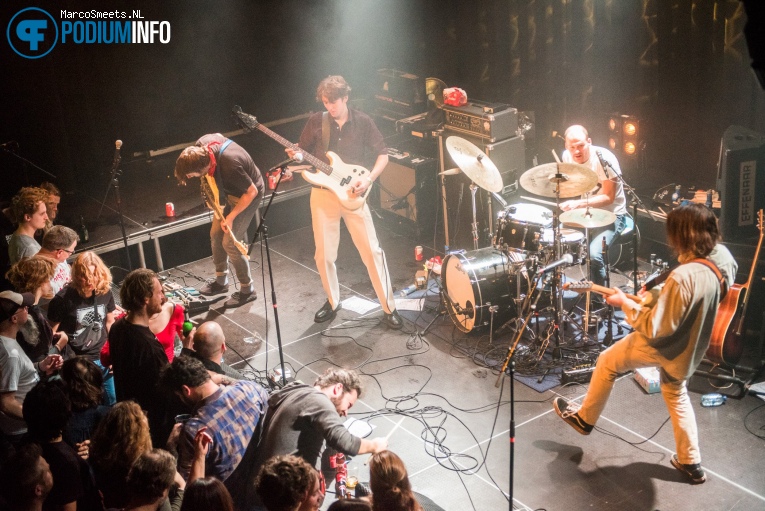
x,y
607,195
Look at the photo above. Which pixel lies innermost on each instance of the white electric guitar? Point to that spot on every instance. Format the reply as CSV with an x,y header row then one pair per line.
x,y
338,176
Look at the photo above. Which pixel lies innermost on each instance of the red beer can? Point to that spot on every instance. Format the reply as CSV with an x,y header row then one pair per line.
x,y
272,180
418,253
169,209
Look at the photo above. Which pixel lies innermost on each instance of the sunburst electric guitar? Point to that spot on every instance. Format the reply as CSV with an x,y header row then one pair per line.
x,y
212,199
338,176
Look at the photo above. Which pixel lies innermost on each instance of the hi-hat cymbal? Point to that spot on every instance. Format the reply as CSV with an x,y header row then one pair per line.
x,y
588,218
474,163
574,179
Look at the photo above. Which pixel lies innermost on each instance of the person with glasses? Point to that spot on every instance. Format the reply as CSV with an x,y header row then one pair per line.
x,y
59,244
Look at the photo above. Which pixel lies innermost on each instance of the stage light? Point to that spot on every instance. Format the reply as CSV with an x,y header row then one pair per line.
x,y
629,148
630,129
612,143
612,124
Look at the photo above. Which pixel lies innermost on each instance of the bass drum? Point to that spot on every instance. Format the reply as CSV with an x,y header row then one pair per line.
x,y
474,281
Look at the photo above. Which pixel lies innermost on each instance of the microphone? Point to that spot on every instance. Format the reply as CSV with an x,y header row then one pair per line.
x,y
566,259
117,158
295,159
603,162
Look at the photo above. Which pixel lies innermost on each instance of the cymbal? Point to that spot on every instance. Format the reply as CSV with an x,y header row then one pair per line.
x,y
434,90
587,218
575,179
474,163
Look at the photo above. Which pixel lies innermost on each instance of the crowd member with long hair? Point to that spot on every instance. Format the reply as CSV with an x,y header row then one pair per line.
x,y
36,338
205,494
120,438
84,384
84,309
389,481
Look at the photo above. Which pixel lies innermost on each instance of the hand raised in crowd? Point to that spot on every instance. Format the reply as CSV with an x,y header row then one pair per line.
x,y
51,364
188,341
83,449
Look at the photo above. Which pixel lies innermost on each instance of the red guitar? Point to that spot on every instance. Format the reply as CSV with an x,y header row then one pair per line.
x,y
727,343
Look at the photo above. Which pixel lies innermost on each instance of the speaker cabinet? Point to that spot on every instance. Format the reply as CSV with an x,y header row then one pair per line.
x,y
509,156
409,194
740,172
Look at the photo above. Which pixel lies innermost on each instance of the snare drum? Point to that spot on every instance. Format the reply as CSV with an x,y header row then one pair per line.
x,y
474,281
571,242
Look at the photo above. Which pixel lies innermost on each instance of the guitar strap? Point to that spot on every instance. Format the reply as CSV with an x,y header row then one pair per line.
x,y
712,266
325,131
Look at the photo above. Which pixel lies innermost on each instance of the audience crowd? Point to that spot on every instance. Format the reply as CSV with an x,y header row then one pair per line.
x,y
101,409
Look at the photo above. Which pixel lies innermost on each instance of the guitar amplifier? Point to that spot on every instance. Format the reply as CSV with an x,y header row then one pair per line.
x,y
399,94
409,193
489,121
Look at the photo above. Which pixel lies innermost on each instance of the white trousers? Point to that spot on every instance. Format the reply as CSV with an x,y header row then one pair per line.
x,y
631,353
326,213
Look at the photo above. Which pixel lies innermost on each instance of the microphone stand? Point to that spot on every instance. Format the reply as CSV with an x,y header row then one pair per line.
x,y
634,203
26,163
263,230
609,339
114,181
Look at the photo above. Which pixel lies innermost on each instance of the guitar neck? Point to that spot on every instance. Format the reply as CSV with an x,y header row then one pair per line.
x,y
308,157
745,303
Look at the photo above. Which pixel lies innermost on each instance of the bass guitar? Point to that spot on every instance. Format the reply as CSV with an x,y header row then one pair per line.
x,y
211,197
727,343
338,176
583,286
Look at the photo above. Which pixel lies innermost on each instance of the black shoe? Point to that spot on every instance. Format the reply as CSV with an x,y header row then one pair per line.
x,y
238,299
694,471
212,287
393,320
326,313
569,412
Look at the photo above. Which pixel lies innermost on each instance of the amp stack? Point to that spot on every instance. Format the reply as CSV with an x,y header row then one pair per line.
x,y
494,128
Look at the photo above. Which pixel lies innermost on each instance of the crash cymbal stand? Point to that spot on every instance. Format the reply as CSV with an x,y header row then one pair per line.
x,y
473,190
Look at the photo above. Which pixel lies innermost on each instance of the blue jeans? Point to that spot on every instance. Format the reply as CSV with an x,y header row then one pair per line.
x,y
110,397
597,265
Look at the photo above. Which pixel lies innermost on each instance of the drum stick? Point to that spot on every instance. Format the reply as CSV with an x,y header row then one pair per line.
x,y
387,437
548,203
555,156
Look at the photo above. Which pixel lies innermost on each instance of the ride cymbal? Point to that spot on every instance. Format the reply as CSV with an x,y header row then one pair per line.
x,y
572,179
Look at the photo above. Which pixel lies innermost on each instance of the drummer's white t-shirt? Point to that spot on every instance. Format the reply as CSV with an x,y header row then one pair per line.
x,y
619,206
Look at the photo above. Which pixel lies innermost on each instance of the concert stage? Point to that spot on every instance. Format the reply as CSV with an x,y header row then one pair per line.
x,y
440,386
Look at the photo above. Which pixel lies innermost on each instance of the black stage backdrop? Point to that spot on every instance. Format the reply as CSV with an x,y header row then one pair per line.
x,y
680,66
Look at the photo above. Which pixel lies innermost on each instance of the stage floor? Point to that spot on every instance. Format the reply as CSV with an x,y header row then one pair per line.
x,y
451,422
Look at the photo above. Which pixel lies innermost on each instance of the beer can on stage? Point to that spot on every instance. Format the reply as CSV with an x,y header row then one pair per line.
x,y
418,253
273,178
169,209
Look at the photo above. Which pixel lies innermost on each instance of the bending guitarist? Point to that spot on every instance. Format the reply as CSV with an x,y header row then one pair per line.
x,y
673,335
238,180
355,138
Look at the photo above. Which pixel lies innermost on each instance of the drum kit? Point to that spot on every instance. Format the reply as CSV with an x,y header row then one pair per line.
x,y
486,285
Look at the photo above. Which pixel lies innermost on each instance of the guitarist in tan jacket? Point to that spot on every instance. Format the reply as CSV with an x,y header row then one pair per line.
x,y
673,334
229,170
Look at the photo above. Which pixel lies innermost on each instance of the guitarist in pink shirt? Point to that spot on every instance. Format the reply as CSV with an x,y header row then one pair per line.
x,y
353,136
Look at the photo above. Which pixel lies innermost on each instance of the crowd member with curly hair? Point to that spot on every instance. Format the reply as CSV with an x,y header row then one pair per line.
x,y
285,483
205,494
84,309
120,438
84,385
391,489
29,212
36,337
46,412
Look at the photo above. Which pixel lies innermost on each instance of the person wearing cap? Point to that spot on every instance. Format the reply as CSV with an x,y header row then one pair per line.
x,y
17,372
